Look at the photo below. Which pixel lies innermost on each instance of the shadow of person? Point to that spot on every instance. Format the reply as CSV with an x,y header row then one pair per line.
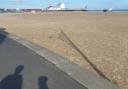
x,y
2,35
13,81
42,82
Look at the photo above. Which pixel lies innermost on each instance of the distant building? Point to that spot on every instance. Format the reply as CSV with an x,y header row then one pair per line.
x,y
86,8
31,10
10,10
2,10
60,6
110,9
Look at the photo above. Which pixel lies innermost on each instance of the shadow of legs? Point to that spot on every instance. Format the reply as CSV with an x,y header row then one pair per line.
x,y
42,82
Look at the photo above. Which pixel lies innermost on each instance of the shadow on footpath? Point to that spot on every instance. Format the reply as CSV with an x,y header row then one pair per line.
x,y
42,82
13,81
3,34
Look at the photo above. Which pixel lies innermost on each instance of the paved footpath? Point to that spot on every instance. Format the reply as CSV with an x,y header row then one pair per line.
x,y
21,68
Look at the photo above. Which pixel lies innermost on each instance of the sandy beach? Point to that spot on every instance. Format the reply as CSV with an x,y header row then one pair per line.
x,y
102,37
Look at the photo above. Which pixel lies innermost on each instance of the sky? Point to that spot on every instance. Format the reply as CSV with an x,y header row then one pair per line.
x,y
91,4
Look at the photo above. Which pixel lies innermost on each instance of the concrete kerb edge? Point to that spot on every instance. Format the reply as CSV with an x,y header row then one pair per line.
x,y
79,74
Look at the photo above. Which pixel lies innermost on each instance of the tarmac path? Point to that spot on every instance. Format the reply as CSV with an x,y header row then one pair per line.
x,y
21,68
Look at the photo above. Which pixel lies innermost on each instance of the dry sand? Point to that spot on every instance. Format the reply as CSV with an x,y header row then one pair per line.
x,y
102,37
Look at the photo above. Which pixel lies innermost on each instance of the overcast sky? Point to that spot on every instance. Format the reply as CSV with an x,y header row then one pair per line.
x,y
92,4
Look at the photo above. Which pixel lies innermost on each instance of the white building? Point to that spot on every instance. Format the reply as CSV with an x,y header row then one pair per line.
x,y
110,9
60,6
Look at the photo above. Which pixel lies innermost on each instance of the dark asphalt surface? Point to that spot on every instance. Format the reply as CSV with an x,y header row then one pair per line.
x,y
34,71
